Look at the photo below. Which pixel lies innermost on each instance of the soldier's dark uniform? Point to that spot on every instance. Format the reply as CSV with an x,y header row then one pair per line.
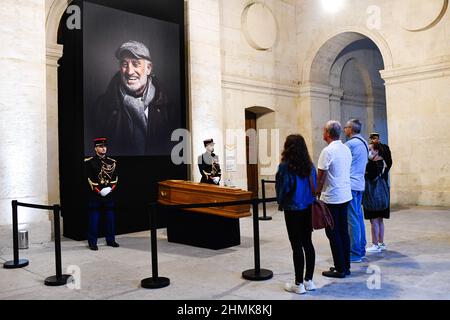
x,y
208,164
101,173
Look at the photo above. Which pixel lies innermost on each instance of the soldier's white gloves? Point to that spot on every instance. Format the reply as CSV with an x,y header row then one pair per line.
x,y
216,180
105,191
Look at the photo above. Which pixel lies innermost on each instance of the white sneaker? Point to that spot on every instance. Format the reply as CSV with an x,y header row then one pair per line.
x,y
309,285
373,249
382,246
292,287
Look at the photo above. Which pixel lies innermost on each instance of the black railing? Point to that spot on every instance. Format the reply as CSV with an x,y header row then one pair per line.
x,y
56,280
263,186
256,274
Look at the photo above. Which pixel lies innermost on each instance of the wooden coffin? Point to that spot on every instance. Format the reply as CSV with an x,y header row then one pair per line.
x,y
188,192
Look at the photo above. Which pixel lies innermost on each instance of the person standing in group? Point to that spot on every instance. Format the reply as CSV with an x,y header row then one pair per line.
x,y
376,168
102,178
334,188
360,153
294,197
374,137
385,153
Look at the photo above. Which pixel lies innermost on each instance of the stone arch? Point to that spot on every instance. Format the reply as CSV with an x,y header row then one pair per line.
x,y
55,11
331,44
321,92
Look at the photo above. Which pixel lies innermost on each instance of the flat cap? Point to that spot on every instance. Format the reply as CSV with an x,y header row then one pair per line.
x,y
137,49
374,134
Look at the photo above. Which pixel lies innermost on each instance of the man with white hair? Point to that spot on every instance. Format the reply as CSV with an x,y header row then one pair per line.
x,y
334,188
134,112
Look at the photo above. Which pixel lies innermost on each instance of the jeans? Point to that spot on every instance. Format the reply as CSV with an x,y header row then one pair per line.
x,y
299,227
338,237
356,227
97,206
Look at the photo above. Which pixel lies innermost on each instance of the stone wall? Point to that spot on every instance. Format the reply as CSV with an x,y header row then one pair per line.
x,y
23,143
245,54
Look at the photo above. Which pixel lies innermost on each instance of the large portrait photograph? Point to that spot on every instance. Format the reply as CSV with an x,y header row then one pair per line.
x,y
131,81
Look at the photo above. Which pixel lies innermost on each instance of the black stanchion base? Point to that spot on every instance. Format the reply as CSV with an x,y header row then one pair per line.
x,y
11,265
155,283
263,274
53,281
265,218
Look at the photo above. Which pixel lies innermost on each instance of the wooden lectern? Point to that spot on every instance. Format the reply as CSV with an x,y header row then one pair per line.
x,y
213,228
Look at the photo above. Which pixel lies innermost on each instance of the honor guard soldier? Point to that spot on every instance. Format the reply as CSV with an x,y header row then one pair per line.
x,y
102,179
208,163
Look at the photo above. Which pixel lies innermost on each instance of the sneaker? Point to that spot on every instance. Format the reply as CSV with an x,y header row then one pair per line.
x,y
93,247
374,249
382,246
355,260
292,287
309,285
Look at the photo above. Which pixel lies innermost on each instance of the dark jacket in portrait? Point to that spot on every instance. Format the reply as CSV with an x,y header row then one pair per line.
x,y
208,164
113,121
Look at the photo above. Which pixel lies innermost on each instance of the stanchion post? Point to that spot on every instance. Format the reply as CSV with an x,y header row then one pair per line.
x,y
263,186
16,263
256,274
155,282
59,279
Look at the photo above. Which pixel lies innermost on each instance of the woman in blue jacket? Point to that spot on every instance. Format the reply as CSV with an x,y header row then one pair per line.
x,y
294,197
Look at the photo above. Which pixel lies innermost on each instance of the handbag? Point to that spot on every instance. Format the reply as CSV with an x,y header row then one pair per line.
x,y
321,215
376,195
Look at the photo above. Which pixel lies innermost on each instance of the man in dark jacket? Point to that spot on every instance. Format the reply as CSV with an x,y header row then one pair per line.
x,y
208,164
102,179
134,112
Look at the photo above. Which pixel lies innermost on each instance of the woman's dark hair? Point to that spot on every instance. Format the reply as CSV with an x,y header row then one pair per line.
x,y
296,155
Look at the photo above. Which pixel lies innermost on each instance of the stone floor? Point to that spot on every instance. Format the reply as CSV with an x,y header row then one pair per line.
x,y
415,266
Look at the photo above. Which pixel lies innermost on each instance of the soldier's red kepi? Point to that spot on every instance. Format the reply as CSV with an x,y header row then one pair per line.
x,y
100,142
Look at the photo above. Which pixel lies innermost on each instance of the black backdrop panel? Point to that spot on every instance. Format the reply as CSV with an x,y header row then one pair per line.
x,y
138,175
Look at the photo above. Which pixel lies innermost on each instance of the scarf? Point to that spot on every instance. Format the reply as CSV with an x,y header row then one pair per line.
x,y
137,108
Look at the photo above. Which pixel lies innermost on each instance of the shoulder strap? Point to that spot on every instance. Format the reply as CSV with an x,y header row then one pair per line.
x,y
364,143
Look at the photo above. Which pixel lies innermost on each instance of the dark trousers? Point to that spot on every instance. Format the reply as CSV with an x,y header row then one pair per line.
x,y
299,228
339,238
96,207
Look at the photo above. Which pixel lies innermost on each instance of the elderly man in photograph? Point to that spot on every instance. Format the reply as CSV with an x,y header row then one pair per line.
x,y
134,112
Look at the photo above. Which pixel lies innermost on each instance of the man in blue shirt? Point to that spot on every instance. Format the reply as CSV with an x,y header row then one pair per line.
x,y
360,153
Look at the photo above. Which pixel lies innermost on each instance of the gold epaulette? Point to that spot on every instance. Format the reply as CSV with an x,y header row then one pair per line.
x,y
111,159
87,159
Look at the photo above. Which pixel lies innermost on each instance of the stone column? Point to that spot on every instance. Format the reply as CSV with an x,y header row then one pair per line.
x,y
314,113
418,100
335,105
205,78
53,53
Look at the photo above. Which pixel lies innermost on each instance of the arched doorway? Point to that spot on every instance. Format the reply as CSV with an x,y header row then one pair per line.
x,y
342,81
